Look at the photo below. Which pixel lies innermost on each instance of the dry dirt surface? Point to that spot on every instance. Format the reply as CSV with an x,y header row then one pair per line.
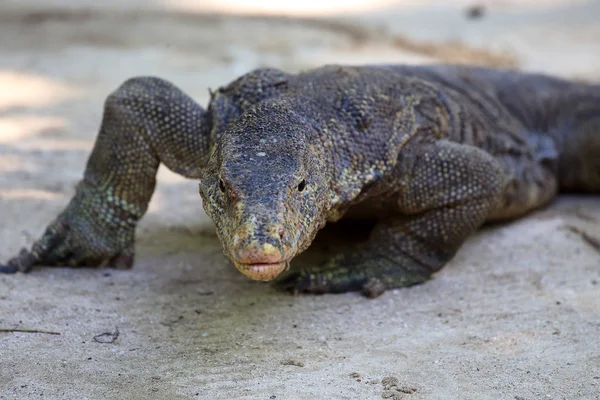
x,y
516,315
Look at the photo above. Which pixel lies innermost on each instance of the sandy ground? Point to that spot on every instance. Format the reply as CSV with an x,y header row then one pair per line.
x,y
516,315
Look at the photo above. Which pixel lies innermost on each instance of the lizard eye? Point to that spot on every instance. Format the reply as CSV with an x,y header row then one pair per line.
x,y
221,186
302,185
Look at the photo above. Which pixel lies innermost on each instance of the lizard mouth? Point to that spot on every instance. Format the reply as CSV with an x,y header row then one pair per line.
x,y
262,271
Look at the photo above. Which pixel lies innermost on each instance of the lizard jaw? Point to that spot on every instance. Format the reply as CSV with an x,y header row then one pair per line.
x,y
263,271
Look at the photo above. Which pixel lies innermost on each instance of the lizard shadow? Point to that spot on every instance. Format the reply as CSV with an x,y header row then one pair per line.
x,y
333,238
200,242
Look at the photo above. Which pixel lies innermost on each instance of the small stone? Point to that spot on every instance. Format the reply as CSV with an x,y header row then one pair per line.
x,y
391,394
475,11
373,288
389,382
293,362
406,389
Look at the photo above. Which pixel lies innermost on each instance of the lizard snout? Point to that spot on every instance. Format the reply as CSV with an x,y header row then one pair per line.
x,y
259,254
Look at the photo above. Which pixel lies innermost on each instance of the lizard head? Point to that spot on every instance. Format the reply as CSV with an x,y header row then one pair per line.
x,y
265,187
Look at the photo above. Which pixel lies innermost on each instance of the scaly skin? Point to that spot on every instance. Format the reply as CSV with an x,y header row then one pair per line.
x,y
431,153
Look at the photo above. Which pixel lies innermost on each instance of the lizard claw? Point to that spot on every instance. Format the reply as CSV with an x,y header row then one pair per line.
x,y
8,269
64,254
24,262
306,281
294,282
352,271
78,238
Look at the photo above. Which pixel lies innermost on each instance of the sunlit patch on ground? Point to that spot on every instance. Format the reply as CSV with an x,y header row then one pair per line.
x,y
21,127
20,194
18,89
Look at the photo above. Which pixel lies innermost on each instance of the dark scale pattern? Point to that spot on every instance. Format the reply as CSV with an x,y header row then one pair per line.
x,y
430,153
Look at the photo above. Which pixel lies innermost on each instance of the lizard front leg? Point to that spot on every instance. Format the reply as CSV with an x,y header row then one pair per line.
x,y
446,191
146,121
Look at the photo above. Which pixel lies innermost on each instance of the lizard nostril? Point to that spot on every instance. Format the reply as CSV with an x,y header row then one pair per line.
x,y
281,232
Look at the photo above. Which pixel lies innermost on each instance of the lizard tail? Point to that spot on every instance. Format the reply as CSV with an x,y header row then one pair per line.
x,y
576,134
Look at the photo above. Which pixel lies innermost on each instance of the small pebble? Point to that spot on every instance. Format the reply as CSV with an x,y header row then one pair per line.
x,y
293,362
373,288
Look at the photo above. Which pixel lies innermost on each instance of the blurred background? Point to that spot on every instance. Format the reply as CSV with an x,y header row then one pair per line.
x,y
62,57
59,59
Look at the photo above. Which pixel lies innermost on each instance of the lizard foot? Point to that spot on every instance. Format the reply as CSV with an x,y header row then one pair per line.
x,y
80,237
356,271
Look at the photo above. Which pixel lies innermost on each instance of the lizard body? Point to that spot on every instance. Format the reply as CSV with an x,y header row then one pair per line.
x,y
429,152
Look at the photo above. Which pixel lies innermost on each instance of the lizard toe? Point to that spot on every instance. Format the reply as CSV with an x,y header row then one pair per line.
x,y
8,269
23,262
121,261
293,282
309,282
